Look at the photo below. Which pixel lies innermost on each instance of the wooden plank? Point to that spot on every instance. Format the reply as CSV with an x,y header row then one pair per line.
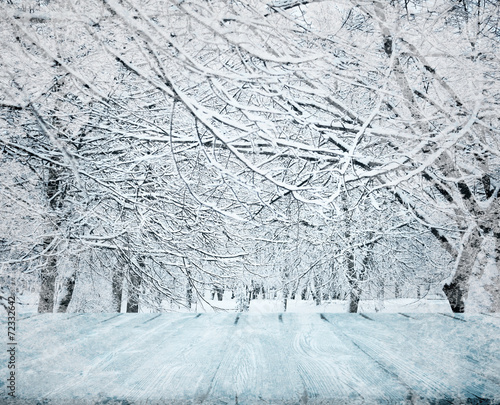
x,y
40,334
68,361
427,356
472,340
62,334
332,368
252,358
481,320
178,365
256,366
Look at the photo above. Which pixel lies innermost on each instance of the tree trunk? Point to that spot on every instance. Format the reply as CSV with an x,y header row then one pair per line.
x,y
254,290
69,287
242,297
457,290
220,294
48,280
49,271
133,293
353,302
134,286
397,290
117,290
189,286
294,290
494,288
381,290
317,289
355,292
285,292
189,293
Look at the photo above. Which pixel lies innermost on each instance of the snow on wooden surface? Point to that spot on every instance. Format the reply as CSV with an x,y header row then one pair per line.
x,y
228,358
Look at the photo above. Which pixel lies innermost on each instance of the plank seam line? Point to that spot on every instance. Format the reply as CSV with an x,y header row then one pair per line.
x,y
382,366
28,317
446,399
74,316
204,397
149,320
365,316
491,316
113,317
452,317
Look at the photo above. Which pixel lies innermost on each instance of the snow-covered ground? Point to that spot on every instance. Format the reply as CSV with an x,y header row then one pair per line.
x,y
336,306
263,306
28,304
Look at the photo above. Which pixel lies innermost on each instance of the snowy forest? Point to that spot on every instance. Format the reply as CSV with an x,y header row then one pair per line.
x,y
195,155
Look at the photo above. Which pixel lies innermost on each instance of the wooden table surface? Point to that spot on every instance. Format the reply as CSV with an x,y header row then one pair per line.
x,y
230,358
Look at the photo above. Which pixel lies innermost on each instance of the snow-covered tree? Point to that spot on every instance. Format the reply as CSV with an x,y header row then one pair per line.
x,y
193,112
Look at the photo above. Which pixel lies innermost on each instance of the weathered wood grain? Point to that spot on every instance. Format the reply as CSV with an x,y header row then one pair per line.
x,y
246,358
431,365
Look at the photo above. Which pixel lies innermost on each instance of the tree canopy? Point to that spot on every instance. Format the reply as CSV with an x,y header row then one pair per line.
x,y
186,143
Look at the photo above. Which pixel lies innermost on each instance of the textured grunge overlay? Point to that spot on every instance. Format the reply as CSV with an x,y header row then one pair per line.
x,y
250,201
